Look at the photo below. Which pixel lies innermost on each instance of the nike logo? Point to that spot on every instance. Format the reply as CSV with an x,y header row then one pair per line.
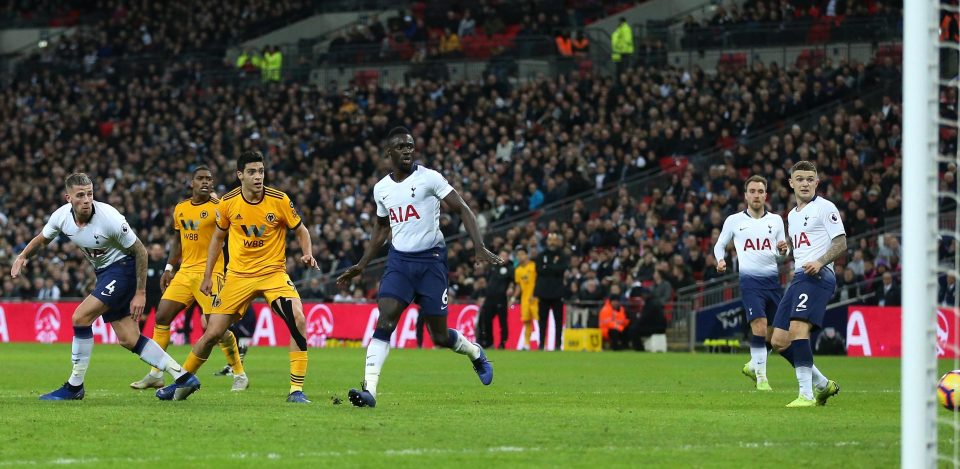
x,y
370,356
742,228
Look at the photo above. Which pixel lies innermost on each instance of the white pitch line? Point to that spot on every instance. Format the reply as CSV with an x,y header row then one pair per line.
x,y
414,452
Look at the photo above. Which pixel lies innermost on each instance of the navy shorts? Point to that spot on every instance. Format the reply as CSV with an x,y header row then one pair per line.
x,y
116,285
761,303
806,299
419,277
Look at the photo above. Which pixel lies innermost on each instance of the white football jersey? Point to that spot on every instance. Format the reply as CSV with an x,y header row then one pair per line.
x,y
756,242
812,229
103,240
413,208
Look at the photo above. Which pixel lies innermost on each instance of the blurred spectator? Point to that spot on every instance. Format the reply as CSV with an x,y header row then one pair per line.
x,y
947,291
549,290
622,44
886,292
613,323
650,321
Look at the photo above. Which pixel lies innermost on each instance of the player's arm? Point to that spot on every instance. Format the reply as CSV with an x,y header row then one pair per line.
x,y
838,246
173,260
381,229
783,245
833,225
306,245
456,203
33,247
213,253
720,249
139,252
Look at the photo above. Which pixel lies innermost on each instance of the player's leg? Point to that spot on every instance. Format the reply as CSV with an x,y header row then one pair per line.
x,y
820,290
226,308
432,297
228,341
396,292
290,309
83,317
166,311
453,339
529,314
802,307
754,304
378,349
129,336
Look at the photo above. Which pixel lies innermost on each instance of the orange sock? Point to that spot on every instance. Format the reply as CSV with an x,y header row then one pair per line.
x,y
193,363
298,370
229,347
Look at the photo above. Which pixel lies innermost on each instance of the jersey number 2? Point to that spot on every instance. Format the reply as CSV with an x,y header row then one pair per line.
x,y
108,290
802,305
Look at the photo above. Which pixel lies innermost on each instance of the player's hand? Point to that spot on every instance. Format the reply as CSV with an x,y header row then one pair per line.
x,y
484,255
309,261
350,273
206,286
165,278
812,267
137,303
17,265
782,246
721,266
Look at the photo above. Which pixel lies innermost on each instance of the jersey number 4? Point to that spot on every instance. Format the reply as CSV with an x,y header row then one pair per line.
x,y
108,290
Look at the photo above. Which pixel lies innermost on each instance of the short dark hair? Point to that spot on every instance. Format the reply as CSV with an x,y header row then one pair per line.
x,y
76,179
398,131
755,178
201,167
803,166
249,156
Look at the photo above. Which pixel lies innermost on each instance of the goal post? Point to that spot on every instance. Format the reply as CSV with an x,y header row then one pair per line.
x,y
920,232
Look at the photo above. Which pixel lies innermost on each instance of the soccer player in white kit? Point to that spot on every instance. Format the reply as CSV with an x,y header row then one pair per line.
x,y
408,208
760,241
120,261
818,238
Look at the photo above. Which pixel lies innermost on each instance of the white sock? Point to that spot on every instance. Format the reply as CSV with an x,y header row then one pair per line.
x,y
377,352
159,359
758,360
805,377
464,347
819,380
82,348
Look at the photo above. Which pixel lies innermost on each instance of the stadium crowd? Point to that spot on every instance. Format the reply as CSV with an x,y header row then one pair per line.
x,y
792,22
509,149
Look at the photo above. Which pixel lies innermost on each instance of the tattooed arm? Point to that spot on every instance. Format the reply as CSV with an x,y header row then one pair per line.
x,y
140,297
837,247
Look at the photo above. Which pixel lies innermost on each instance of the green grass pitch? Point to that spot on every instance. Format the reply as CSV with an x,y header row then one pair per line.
x,y
543,409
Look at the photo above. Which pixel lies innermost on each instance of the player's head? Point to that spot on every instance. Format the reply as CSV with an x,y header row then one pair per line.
x,y
755,191
804,180
250,170
521,253
202,182
79,192
400,146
